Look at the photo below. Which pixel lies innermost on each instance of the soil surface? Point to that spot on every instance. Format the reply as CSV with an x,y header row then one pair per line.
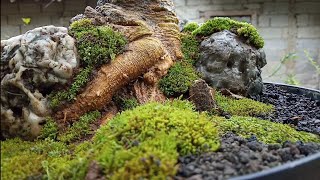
x,y
298,110
238,156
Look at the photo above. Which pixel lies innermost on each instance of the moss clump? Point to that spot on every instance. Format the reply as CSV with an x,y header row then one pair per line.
x,y
243,29
190,48
126,103
178,80
49,130
242,107
96,45
194,130
265,131
146,141
189,27
79,128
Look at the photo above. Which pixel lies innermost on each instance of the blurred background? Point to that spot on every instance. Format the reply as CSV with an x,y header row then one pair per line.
x,y
291,28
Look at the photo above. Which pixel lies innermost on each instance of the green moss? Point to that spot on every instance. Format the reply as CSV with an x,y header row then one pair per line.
x,y
190,48
178,80
49,130
152,159
242,107
96,45
126,103
194,130
145,142
189,27
23,159
243,29
79,82
265,131
79,128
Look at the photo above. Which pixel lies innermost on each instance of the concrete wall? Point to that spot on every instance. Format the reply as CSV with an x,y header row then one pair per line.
x,y
287,26
41,13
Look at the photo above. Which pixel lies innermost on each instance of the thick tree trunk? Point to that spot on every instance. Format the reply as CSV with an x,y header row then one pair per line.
x,y
152,29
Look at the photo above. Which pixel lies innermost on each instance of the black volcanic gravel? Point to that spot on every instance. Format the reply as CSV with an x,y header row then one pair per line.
x,y
238,156
298,110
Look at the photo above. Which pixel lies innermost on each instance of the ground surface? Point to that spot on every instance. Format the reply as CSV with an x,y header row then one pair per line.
x,y
298,110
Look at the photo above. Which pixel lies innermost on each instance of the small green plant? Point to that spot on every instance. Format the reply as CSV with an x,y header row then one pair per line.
x,y
265,131
178,80
242,107
291,79
243,29
312,61
79,128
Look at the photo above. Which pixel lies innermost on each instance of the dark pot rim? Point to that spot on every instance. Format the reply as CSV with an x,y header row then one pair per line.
x,y
307,168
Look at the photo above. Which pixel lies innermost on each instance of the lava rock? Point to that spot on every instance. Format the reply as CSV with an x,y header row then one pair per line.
x,y
239,156
226,61
202,96
297,110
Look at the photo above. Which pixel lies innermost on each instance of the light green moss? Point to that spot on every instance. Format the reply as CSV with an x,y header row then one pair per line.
x,y
23,159
146,141
243,29
242,107
178,80
189,27
194,130
80,128
265,131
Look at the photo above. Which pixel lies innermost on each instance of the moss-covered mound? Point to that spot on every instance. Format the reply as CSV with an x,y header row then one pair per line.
x,y
265,131
243,29
242,107
144,142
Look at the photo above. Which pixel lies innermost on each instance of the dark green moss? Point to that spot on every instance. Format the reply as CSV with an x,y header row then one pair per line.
x,y
96,45
242,107
190,48
265,131
243,29
49,130
70,94
189,27
126,103
178,80
80,128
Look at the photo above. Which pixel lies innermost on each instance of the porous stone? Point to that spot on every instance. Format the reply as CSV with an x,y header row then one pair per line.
x,y
202,96
227,61
31,65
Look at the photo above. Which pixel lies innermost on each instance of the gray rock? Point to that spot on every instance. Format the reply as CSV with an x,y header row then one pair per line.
x,y
227,61
33,63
